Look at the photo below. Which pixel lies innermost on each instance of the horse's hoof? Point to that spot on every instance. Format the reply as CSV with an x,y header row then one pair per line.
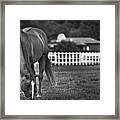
x,y
39,96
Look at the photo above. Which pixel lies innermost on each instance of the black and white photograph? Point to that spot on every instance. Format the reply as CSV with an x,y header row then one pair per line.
x,y
59,59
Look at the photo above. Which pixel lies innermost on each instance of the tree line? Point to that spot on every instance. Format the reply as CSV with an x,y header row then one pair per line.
x,y
71,28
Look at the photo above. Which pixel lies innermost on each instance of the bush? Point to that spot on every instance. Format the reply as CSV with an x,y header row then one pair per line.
x,y
66,46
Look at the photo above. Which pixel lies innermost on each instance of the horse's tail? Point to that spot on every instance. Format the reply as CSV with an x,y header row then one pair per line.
x,y
49,73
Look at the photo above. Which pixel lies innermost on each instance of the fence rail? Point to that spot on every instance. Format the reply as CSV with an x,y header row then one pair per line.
x,y
74,58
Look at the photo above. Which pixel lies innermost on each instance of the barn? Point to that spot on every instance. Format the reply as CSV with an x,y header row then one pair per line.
x,y
84,44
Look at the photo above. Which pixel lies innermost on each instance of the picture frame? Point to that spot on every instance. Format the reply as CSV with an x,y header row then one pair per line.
x,y
2,60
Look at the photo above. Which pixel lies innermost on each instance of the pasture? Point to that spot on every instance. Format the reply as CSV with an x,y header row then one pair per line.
x,y
73,83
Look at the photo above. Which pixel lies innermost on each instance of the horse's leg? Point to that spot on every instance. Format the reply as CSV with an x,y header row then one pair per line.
x,y
35,88
41,70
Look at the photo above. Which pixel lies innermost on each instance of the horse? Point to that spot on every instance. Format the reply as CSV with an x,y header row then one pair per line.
x,y
34,48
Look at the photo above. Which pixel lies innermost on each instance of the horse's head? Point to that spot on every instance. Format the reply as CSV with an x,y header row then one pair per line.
x,y
26,86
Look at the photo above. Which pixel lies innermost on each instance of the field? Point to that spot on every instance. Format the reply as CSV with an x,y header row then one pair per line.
x,y
73,83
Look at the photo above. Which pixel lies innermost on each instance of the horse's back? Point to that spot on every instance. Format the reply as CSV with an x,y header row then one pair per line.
x,y
40,34
32,30
36,44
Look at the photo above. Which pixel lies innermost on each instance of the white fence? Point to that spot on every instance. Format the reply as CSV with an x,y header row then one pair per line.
x,y
74,58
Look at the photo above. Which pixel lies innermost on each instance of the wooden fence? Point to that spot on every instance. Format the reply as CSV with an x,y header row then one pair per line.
x,y
74,58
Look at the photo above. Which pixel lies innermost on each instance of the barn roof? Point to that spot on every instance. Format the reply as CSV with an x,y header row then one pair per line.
x,y
83,41
79,40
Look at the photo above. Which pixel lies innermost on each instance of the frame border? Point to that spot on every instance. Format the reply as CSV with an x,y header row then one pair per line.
x,y
61,2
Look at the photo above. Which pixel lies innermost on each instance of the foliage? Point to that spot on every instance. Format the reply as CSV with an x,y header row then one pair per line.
x,y
65,46
71,28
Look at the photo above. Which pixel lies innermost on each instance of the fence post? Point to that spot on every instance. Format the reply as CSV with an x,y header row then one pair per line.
x,y
62,58
66,58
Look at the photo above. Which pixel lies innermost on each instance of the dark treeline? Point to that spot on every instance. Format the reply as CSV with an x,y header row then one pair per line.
x,y
71,28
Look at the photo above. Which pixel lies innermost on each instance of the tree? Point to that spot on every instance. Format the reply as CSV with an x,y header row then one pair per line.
x,y
65,46
71,28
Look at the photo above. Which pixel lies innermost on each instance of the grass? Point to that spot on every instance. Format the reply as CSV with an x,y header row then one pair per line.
x,y
73,83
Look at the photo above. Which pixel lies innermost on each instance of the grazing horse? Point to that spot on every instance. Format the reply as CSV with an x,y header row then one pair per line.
x,y
33,48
